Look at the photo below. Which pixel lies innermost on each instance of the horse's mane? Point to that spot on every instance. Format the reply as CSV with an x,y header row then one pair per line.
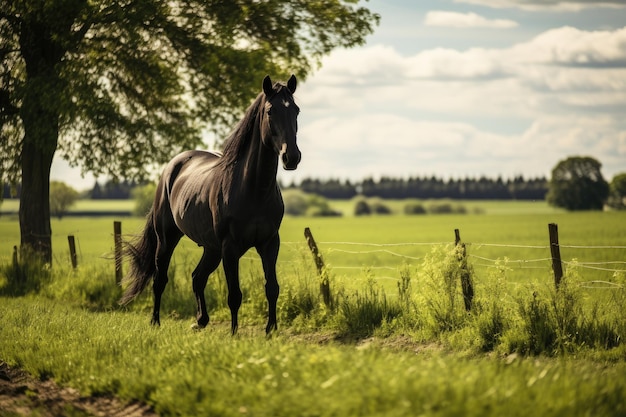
x,y
234,145
239,137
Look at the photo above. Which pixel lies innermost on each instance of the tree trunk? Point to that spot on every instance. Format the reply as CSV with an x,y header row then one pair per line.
x,y
35,201
40,119
41,133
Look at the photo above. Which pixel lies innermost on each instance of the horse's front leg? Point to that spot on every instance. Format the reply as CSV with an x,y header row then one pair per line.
x,y
269,255
230,261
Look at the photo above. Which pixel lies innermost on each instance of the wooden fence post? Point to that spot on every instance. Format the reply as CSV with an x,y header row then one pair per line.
x,y
319,264
15,259
72,243
467,286
555,251
117,236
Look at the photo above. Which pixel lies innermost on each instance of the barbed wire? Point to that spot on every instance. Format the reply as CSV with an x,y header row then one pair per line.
x,y
603,285
502,245
485,262
477,244
508,261
369,252
591,247
586,266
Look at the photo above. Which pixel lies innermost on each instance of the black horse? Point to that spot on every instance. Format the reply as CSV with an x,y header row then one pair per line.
x,y
226,203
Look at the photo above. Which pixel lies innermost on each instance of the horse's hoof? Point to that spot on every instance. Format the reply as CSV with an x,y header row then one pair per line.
x,y
196,327
202,321
270,329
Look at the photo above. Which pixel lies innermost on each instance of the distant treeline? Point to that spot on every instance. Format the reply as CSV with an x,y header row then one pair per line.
x,y
110,190
483,188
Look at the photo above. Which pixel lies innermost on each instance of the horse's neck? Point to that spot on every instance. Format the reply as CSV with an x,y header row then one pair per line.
x,y
259,169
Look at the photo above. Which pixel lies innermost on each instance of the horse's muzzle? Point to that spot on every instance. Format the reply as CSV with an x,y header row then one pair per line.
x,y
290,156
291,159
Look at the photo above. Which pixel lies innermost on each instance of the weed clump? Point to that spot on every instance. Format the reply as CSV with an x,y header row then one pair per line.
x,y
363,312
559,321
26,274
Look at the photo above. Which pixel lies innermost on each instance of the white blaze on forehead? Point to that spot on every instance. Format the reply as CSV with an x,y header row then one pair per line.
x,y
286,103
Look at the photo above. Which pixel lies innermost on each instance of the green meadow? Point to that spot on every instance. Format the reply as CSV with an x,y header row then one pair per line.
x,y
397,340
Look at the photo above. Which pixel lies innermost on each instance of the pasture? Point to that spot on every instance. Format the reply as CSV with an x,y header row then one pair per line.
x,y
397,342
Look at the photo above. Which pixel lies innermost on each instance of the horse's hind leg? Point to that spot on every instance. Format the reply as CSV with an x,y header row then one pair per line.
x,y
168,237
208,263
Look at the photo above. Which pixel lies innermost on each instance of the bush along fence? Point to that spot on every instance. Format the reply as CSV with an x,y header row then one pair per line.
x,y
539,319
466,281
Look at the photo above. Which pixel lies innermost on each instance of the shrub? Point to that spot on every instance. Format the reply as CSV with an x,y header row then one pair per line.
x,y
365,208
361,208
379,208
296,203
446,208
414,208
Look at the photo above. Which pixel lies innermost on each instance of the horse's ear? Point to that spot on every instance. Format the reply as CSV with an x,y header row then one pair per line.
x,y
268,89
291,84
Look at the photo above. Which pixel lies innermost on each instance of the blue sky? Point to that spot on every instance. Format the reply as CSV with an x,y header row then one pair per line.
x,y
457,88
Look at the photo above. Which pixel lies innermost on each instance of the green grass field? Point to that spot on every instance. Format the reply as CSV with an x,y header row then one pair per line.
x,y
185,373
397,343
13,205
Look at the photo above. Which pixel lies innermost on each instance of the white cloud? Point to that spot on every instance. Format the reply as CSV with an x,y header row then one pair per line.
x,y
520,109
571,46
563,47
551,5
465,20
443,63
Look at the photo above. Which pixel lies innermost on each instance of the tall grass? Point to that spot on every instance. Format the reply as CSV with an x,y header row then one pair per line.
x,y
24,274
428,304
186,373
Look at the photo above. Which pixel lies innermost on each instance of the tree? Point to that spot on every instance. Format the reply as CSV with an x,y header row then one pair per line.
x,y
144,198
62,197
577,184
617,195
113,86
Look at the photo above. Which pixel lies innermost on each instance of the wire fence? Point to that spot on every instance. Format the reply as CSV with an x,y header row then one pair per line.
x,y
601,272
384,260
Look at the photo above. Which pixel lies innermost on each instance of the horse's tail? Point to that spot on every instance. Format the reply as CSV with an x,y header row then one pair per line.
x,y
141,254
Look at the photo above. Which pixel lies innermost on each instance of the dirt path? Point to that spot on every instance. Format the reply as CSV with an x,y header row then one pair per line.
x,y
23,395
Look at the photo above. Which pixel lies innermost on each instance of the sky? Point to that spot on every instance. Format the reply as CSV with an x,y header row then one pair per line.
x,y
465,88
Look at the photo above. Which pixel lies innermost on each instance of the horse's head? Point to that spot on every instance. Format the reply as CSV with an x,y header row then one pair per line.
x,y
282,121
